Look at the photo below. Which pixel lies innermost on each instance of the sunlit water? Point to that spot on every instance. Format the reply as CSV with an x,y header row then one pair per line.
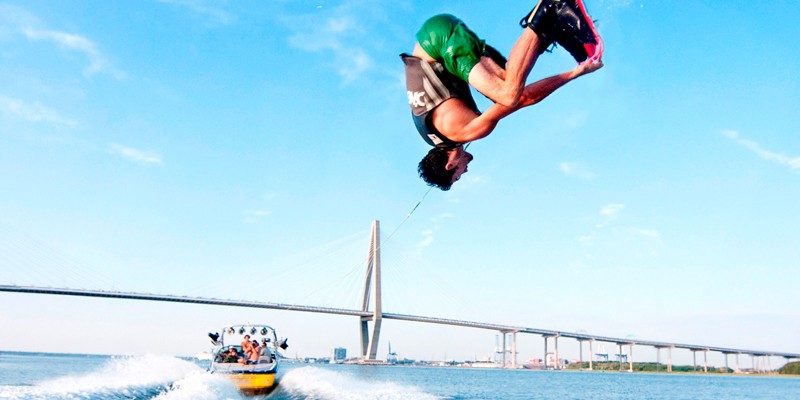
x,y
47,376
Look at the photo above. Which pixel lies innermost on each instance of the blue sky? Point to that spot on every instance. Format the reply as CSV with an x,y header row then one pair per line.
x,y
241,150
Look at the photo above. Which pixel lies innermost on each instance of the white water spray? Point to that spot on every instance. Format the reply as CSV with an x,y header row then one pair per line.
x,y
321,384
131,378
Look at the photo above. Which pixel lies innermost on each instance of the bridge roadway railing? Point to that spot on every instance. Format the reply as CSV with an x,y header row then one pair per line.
x,y
400,317
583,336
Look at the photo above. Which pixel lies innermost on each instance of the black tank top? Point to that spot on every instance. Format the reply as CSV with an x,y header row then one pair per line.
x,y
429,84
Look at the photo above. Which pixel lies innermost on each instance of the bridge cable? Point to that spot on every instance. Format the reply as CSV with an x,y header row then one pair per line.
x,y
415,207
360,264
408,216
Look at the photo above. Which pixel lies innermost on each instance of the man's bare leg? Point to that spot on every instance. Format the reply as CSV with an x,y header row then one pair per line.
x,y
505,87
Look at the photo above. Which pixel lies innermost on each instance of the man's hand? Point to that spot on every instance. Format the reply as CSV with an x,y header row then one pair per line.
x,y
586,68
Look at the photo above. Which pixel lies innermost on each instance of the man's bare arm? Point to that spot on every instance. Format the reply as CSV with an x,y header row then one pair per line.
x,y
539,90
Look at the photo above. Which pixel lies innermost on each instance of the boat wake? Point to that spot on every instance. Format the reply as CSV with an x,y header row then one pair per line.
x,y
323,384
146,377
170,378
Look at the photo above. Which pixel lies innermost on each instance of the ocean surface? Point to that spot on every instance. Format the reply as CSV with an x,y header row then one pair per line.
x,y
54,376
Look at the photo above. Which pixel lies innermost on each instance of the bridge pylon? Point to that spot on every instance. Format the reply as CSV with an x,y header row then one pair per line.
x,y
372,279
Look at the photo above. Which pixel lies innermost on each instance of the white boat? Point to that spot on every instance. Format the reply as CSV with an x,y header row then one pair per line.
x,y
481,364
253,373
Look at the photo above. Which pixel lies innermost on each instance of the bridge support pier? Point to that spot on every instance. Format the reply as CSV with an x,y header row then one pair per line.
x,y
514,350
669,359
658,359
705,361
503,350
544,360
580,355
369,342
591,354
630,358
769,365
694,359
558,361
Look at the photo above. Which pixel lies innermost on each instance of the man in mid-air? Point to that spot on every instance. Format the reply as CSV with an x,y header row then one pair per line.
x,y
448,58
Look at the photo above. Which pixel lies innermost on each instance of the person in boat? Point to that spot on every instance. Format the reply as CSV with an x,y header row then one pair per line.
x,y
247,347
448,58
255,353
251,354
231,356
246,344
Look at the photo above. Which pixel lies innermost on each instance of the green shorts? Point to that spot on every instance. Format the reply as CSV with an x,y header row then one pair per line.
x,y
446,38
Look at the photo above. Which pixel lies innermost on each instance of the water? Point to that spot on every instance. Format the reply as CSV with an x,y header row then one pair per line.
x,y
49,376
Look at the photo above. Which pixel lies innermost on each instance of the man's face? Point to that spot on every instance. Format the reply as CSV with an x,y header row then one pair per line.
x,y
457,160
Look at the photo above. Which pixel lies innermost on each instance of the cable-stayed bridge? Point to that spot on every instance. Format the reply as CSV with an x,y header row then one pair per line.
x,y
370,321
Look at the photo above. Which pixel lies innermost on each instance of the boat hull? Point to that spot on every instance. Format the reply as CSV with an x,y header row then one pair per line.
x,y
253,383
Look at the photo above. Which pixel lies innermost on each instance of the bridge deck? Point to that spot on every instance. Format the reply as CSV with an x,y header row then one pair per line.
x,y
368,314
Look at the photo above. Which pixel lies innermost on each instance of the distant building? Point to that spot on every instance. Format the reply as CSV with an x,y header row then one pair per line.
x,y
391,358
338,355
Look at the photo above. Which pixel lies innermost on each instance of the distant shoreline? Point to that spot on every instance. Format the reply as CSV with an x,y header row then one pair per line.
x,y
47,353
605,370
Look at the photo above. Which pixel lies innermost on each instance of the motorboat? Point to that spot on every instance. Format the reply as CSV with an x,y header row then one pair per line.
x,y
248,355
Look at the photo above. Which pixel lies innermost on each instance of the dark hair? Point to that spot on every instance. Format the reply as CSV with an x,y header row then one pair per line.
x,y
433,169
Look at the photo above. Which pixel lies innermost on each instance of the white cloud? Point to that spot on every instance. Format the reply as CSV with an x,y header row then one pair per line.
x,y
139,156
254,216
359,62
425,242
33,112
602,238
441,217
577,119
609,213
258,213
606,11
341,24
577,170
427,239
211,8
468,180
97,62
586,239
615,3
611,210
793,163
269,195
336,31
15,20
12,18
649,233
428,234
